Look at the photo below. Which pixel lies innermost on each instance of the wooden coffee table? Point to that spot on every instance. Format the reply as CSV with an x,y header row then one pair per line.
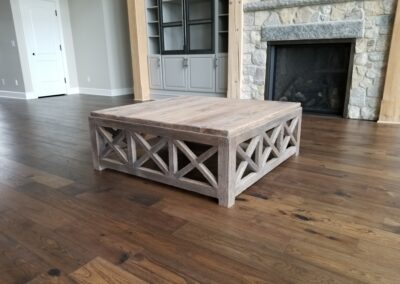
x,y
214,146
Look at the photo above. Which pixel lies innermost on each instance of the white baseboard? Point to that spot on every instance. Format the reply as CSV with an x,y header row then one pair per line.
x,y
30,96
105,92
122,92
160,94
17,95
70,91
73,91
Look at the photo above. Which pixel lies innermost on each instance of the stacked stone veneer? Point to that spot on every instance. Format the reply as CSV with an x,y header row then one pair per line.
x,y
269,17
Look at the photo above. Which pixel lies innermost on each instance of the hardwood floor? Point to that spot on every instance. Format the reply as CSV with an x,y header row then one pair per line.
x,y
331,215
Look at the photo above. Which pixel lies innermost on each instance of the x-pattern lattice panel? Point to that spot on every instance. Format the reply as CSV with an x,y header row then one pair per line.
x,y
271,145
114,145
150,152
290,129
175,159
262,150
196,162
247,158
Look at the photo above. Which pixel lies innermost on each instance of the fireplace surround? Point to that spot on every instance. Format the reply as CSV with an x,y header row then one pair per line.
x,y
368,23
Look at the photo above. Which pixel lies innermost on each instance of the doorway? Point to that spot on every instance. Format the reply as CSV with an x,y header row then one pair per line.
x,y
43,38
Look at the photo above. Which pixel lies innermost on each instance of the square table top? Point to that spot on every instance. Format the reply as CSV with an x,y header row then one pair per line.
x,y
208,115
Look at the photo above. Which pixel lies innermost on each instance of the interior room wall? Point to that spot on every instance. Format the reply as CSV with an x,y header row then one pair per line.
x,y
101,43
118,45
11,79
90,44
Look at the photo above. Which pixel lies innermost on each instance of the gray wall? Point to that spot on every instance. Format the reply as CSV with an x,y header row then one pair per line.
x,y
118,45
87,23
10,66
101,42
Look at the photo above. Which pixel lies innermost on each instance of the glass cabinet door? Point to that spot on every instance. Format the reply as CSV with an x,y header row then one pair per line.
x,y
187,26
200,26
172,25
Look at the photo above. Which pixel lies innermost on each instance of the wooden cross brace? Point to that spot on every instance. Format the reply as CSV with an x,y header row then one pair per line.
x,y
112,143
246,157
150,152
197,162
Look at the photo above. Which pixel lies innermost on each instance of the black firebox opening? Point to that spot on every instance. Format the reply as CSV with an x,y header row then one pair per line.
x,y
316,74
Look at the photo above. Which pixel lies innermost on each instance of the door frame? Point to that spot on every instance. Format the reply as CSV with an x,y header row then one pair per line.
x,y
27,68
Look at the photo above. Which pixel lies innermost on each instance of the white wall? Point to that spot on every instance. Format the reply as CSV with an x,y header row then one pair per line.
x,y
101,43
118,45
11,79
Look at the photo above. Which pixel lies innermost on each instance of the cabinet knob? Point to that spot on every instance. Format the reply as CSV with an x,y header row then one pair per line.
x,y
158,62
216,62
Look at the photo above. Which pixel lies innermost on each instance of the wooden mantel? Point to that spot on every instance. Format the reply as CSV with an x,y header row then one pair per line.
x,y
390,108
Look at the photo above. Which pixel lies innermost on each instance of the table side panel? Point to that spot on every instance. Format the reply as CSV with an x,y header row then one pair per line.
x,y
260,150
130,148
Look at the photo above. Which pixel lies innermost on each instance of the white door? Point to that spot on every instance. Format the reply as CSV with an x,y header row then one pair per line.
x,y
43,38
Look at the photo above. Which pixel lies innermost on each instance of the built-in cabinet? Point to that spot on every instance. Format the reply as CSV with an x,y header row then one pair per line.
x,y
188,45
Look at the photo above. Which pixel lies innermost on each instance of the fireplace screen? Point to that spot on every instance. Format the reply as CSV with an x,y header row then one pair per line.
x,y
316,75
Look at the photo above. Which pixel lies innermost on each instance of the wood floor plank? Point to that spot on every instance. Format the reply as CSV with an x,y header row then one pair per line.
x,y
330,215
345,264
100,271
284,268
153,272
17,263
52,277
52,248
39,212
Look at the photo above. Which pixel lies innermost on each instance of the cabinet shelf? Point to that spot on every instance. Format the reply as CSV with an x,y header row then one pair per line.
x,y
223,7
153,26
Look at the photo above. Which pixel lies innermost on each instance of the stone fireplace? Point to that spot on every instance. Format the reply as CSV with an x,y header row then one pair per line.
x,y
345,41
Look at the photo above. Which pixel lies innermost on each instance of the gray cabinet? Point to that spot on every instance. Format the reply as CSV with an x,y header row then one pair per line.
x,y
155,72
221,73
187,46
175,72
201,73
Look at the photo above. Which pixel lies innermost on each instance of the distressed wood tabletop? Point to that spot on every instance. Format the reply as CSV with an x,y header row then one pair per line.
x,y
218,116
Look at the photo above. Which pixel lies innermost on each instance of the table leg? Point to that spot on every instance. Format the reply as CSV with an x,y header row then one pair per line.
x,y
226,172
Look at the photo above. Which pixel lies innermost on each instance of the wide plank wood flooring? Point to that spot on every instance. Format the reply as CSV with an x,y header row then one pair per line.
x,y
331,215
